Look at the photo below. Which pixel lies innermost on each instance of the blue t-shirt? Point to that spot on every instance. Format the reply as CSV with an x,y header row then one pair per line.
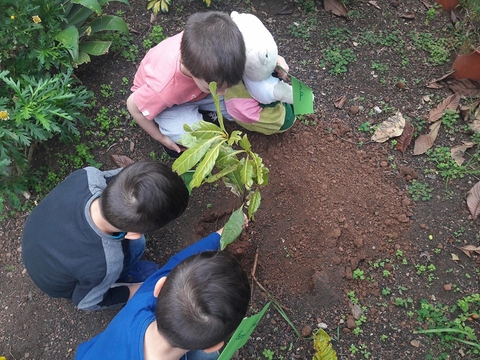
x,y
123,338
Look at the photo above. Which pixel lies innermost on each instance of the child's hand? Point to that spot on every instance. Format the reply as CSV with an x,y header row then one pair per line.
x,y
172,145
282,64
244,226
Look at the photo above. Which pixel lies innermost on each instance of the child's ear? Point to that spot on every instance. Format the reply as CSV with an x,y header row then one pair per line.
x,y
214,348
158,286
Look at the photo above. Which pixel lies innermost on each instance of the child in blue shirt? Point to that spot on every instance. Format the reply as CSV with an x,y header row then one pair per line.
x,y
185,310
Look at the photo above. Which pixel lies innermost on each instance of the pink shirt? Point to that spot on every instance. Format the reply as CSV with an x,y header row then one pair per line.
x,y
159,83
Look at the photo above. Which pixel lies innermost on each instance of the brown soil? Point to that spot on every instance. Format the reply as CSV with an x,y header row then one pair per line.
x,y
336,202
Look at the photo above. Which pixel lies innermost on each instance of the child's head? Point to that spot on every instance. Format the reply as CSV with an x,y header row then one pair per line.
x,y
202,301
144,197
213,49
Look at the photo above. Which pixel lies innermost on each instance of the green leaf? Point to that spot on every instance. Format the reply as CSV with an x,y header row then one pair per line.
x,y
247,174
321,343
245,143
254,204
108,23
92,5
220,174
233,228
95,47
83,58
77,15
103,2
259,169
192,156
165,6
234,137
234,182
69,37
206,166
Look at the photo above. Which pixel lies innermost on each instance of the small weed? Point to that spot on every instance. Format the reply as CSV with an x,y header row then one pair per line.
x,y
449,119
365,127
386,291
358,274
420,191
268,354
447,167
378,66
439,53
337,59
155,37
106,91
403,302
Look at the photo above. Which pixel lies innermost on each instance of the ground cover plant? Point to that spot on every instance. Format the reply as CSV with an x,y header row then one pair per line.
x,y
365,240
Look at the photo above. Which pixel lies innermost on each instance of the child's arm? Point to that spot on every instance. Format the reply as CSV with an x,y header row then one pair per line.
x,y
150,126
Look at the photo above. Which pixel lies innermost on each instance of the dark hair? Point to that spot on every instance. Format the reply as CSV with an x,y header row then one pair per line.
x,y
203,301
144,197
213,49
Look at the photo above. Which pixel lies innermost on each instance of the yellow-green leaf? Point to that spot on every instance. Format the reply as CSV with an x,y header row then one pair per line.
x,y
220,174
166,6
254,204
206,166
234,137
321,343
245,143
234,182
247,173
233,228
191,157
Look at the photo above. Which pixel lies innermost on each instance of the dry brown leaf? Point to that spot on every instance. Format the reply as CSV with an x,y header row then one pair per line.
x,y
374,4
458,151
475,125
473,200
468,249
434,84
425,142
427,4
121,160
450,103
405,139
336,7
466,87
392,127
409,16
453,17
287,9
340,102
455,257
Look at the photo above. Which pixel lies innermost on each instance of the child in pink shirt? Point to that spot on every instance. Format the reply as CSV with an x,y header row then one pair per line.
x,y
171,85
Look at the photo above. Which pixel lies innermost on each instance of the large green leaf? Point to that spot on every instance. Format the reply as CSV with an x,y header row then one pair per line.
x,y
254,204
192,156
205,167
83,57
108,22
77,15
103,2
233,228
92,5
69,37
95,47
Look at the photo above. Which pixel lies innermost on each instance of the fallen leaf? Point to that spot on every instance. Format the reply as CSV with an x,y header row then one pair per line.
x,y
340,102
473,200
458,151
132,146
453,17
374,4
405,139
475,125
287,9
425,141
392,127
357,311
415,343
468,249
434,84
450,103
409,16
454,257
336,7
447,287
427,4
121,160
466,87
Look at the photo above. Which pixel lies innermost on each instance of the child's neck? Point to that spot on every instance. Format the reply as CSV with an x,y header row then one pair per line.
x,y
156,347
100,222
